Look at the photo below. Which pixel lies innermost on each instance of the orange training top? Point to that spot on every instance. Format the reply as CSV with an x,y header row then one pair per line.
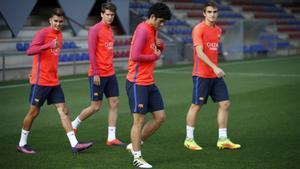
x,y
209,38
45,60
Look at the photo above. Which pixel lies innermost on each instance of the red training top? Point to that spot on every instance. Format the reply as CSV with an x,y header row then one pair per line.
x,y
142,58
101,44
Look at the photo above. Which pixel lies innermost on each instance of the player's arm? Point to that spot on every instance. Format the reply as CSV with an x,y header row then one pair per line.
x,y
92,43
38,45
218,71
140,39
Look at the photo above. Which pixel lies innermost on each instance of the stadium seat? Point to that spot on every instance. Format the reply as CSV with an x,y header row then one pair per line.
x,y
20,46
26,45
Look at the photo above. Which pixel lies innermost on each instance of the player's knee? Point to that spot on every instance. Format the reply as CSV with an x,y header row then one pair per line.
x,y
95,108
195,107
114,103
33,112
225,105
160,119
63,111
138,122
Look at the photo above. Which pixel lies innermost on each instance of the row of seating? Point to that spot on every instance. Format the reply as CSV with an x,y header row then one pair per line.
x,y
122,42
261,9
297,29
221,15
268,37
85,56
225,23
73,57
175,22
186,40
187,1
251,3
23,46
179,31
287,22
273,16
260,48
198,7
294,36
139,5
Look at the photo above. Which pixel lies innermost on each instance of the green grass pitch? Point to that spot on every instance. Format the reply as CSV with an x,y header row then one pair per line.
x,y
264,119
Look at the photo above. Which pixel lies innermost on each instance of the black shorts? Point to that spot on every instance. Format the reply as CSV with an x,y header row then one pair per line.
x,y
205,87
39,94
108,86
143,99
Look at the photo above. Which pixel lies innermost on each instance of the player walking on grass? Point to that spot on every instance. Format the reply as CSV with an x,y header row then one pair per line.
x,y
208,79
101,73
143,94
45,85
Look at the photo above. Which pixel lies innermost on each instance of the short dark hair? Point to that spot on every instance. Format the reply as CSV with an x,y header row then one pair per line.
x,y
210,3
160,10
108,6
57,12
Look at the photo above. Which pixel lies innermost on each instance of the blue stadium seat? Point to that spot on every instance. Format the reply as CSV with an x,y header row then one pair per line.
x,y
72,45
257,48
70,57
63,58
283,45
26,45
77,57
20,46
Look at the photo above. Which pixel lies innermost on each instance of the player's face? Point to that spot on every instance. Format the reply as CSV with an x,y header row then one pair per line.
x,y
107,16
211,14
158,22
56,22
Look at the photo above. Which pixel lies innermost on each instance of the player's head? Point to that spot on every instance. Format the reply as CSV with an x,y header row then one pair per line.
x,y
108,12
56,19
158,14
210,12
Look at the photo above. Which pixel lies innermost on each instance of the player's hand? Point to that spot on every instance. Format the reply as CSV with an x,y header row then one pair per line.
x,y
158,42
219,72
97,80
157,52
55,43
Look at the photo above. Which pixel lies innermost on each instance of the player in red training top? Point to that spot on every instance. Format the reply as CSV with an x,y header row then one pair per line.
x,y
45,85
208,78
101,73
142,92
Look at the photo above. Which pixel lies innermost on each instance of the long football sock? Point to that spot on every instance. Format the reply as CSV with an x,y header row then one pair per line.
x,y
23,139
190,132
222,132
137,154
111,133
76,122
72,138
